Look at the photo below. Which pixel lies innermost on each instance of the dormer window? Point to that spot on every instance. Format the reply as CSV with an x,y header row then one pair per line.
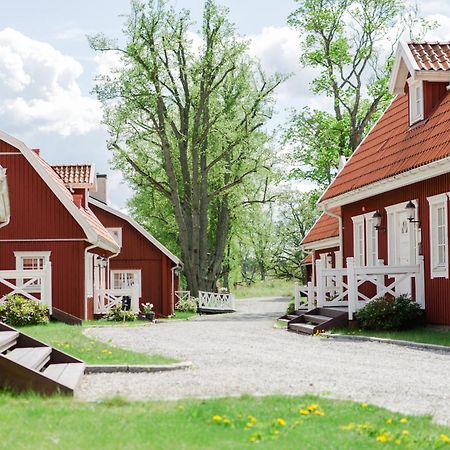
x,y
415,101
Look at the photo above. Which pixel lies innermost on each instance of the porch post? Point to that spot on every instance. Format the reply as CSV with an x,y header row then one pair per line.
x,y
296,296
380,277
310,295
320,283
420,283
339,278
352,287
47,284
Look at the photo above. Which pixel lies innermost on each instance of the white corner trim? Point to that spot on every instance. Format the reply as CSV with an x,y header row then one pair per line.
x,y
91,235
138,227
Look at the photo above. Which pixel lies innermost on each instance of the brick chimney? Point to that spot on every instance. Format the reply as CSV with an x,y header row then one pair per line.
x,y
100,193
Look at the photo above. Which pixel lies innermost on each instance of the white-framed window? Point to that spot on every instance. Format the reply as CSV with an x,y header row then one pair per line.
x,y
371,240
439,235
31,261
416,111
358,240
116,233
123,279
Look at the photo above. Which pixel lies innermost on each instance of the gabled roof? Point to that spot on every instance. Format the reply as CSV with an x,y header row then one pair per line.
x,y
95,233
76,175
308,259
325,231
138,227
431,55
393,148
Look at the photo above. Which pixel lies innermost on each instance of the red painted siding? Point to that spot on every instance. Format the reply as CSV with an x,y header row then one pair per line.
x,y
437,291
37,214
138,253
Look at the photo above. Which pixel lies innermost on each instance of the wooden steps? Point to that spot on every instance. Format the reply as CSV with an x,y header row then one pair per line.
x,y
294,315
318,320
28,364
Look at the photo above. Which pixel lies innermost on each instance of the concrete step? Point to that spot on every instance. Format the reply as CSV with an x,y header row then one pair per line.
x,y
32,357
8,339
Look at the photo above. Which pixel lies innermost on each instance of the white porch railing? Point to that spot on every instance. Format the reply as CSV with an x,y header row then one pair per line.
x,y
182,296
343,287
215,301
308,291
33,284
105,299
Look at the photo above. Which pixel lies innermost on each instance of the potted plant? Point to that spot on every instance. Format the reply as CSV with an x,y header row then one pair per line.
x,y
147,309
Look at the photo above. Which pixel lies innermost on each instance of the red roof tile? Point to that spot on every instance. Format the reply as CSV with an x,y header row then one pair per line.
x,y
325,227
392,147
308,259
431,55
75,175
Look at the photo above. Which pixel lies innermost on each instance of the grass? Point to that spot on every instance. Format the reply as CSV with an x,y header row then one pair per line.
x,y
30,422
424,335
267,288
182,315
71,340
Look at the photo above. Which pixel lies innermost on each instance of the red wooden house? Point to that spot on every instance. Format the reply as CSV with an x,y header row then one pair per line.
x,y
54,232
393,194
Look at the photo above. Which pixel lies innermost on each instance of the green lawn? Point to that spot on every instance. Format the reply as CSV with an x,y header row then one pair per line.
x,y
182,315
267,288
307,423
70,340
427,335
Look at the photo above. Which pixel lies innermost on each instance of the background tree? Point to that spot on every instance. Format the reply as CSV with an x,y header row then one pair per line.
x,y
186,125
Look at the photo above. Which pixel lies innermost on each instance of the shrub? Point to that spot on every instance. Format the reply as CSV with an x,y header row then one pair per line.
x,y
19,311
388,313
291,307
187,305
118,314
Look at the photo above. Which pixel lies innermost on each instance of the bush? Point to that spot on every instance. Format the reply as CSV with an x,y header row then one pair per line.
x,y
118,314
291,307
187,305
19,311
387,313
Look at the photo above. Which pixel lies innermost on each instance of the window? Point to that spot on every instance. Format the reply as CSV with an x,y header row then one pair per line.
x,y
31,261
415,101
123,279
438,235
372,240
116,233
358,240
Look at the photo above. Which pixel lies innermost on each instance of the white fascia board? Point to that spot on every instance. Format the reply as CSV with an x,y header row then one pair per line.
x,y
402,54
320,245
431,170
91,235
138,227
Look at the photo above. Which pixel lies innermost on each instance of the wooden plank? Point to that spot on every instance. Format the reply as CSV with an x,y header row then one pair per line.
x,y
62,316
32,357
7,339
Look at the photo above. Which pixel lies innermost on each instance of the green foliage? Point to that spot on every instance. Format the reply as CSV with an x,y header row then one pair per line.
x,y
291,307
188,304
118,314
19,311
388,313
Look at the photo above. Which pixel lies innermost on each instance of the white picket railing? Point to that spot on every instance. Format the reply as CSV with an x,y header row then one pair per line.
x,y
33,284
105,299
182,296
309,291
343,287
215,301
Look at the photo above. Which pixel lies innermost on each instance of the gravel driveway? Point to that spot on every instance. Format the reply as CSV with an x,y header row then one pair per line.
x,y
242,353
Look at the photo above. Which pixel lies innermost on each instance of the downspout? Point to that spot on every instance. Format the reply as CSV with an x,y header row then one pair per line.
x,y
173,269
85,284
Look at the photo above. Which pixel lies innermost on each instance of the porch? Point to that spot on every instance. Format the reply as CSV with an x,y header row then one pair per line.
x,y
352,287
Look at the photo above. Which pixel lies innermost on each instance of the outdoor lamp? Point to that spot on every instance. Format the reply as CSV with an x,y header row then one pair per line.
x,y
411,208
377,219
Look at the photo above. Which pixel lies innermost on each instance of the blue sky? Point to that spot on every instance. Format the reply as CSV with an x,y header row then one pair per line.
x,y
47,69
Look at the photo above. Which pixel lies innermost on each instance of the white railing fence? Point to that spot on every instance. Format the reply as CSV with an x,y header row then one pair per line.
x,y
344,287
32,284
182,296
216,301
105,299
308,291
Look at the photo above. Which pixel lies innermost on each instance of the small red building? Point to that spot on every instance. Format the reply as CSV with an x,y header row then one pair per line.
x,y
393,193
53,229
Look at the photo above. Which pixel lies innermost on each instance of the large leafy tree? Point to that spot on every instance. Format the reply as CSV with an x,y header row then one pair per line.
x,y
186,122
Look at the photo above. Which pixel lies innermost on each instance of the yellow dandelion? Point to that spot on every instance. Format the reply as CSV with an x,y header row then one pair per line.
x,y
319,412
304,412
403,420
389,421
445,438
364,405
281,422
398,441
384,437
217,418
248,425
312,407
349,426
405,432
252,419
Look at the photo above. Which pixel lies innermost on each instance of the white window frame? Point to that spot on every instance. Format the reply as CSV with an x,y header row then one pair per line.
x,y
371,246
359,248
20,256
416,101
135,272
435,203
116,234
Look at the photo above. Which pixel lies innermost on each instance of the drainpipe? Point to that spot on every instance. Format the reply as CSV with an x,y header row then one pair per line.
x,y
173,270
339,218
85,284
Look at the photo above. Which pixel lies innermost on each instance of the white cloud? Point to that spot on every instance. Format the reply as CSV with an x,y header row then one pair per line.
x,y
39,88
442,31
73,34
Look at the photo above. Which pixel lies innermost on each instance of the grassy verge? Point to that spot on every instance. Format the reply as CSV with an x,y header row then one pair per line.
x,y
425,335
182,315
71,340
271,422
267,288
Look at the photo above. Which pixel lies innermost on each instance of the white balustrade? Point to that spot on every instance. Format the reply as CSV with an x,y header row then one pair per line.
x,y
215,301
105,299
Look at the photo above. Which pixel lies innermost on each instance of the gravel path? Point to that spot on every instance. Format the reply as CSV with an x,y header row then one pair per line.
x,y
242,353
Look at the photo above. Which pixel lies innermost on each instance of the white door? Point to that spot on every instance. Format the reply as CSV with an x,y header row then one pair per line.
x,y
405,248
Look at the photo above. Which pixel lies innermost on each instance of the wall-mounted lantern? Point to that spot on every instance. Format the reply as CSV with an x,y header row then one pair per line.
x,y
377,218
411,208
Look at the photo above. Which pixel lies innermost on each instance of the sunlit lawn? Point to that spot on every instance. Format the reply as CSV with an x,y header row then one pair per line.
x,y
267,288
307,423
71,340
